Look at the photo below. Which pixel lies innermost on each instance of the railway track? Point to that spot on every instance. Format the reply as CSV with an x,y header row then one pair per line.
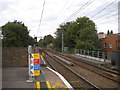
x,y
101,72
96,69
74,78
86,62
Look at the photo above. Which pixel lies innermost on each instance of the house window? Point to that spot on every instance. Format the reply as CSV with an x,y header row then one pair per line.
x,y
110,45
105,45
118,48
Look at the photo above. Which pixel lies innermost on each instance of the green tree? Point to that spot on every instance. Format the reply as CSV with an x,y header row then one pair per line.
x,y
41,43
57,44
47,41
16,34
81,34
86,45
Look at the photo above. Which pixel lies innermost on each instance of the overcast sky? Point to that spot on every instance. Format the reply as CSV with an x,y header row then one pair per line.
x,y
57,11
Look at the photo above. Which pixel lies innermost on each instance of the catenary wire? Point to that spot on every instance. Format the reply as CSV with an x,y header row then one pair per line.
x,y
80,9
41,17
105,14
77,11
60,13
111,16
103,9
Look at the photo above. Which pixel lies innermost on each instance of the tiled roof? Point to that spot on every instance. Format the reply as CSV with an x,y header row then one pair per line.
x,y
114,36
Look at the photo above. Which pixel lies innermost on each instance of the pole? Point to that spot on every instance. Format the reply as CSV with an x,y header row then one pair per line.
x,y
29,64
62,40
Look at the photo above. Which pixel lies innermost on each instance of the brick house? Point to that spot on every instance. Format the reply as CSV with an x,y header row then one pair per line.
x,y
111,43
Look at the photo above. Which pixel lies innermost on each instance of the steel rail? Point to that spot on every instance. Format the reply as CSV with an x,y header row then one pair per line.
x,y
103,68
95,87
108,70
97,72
50,64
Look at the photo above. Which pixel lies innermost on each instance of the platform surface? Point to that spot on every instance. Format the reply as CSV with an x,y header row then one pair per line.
x,y
54,78
15,77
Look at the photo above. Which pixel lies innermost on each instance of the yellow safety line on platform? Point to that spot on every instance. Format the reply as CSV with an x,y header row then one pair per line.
x,y
48,85
58,84
38,85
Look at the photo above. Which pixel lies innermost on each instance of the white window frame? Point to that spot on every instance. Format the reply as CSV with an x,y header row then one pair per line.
x,y
110,45
105,45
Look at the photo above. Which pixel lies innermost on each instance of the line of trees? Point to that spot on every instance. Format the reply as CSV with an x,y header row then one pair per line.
x,y
80,34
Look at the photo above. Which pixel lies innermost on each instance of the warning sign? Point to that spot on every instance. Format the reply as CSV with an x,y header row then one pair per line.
x,y
36,67
36,56
36,72
36,61
35,64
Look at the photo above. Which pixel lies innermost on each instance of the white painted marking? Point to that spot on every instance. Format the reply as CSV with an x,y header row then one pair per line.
x,y
62,78
42,59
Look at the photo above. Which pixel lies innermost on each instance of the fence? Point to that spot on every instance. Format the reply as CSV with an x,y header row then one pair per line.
x,y
97,55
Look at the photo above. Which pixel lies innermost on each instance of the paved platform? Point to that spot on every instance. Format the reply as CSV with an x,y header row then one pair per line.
x,y
15,77
55,79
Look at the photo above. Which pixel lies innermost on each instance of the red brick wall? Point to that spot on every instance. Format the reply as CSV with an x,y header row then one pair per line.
x,y
109,39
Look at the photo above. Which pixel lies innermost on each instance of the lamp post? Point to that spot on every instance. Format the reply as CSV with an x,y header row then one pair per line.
x,y
62,41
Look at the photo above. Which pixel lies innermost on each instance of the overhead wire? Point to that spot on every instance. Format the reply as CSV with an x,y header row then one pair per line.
x,y
84,6
78,10
111,16
91,7
41,17
63,10
106,14
103,9
99,12
103,21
